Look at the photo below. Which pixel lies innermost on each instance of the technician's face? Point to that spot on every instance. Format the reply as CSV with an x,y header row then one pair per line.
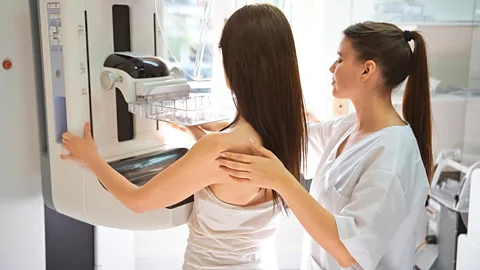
x,y
346,72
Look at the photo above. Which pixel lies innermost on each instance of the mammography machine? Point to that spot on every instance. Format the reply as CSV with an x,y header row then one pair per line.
x,y
448,209
92,72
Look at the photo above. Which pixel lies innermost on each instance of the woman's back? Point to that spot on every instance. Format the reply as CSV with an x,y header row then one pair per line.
x,y
236,138
225,236
232,226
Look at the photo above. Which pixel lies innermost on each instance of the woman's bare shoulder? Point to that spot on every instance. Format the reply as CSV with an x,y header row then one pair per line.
x,y
235,140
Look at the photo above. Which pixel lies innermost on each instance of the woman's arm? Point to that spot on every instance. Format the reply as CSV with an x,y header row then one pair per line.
x,y
270,173
316,220
180,180
360,233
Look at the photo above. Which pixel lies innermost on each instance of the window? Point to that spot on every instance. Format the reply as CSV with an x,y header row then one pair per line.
x,y
191,30
186,25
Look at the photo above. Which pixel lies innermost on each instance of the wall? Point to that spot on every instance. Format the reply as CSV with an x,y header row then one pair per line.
x,y
317,28
472,128
474,79
21,203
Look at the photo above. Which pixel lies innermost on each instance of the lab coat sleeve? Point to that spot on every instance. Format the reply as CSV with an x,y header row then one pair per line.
x,y
318,135
372,216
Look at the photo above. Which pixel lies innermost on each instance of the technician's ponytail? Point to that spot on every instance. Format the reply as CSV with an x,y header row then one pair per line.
x,y
387,44
416,102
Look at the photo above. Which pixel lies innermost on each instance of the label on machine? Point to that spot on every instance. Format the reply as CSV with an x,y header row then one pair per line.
x,y
57,70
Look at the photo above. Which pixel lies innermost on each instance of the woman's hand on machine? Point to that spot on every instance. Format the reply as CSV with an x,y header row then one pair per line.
x,y
195,131
81,150
265,170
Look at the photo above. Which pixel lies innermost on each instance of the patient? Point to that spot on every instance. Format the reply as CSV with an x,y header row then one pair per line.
x,y
232,225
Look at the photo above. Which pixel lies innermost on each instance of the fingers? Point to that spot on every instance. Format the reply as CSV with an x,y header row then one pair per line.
x,y
87,131
237,157
66,147
240,180
66,141
177,127
70,157
261,150
234,165
70,137
67,136
67,157
236,174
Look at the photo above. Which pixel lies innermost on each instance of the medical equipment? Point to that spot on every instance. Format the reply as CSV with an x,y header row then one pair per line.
x,y
468,248
96,76
448,207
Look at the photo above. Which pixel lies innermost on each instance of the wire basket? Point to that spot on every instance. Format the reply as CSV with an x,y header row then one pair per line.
x,y
195,109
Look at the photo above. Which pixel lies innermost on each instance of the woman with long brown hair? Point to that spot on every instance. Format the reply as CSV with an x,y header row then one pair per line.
x,y
232,225
371,169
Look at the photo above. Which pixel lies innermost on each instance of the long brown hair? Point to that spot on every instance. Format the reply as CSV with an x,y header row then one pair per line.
x,y
260,63
388,46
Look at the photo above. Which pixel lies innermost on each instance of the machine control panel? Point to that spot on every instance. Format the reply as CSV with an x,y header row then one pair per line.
x,y
57,69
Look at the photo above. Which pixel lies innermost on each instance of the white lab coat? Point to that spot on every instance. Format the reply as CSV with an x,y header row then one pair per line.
x,y
376,190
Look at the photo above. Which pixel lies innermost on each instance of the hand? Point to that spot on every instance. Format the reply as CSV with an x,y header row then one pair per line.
x,y
82,150
178,127
265,171
195,131
214,126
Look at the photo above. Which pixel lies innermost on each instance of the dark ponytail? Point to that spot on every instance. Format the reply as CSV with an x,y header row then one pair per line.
x,y
416,102
388,46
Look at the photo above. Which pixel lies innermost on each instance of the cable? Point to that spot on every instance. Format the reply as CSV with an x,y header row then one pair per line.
x,y
420,246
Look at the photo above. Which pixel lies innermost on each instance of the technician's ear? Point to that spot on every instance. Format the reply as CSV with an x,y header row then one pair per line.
x,y
369,68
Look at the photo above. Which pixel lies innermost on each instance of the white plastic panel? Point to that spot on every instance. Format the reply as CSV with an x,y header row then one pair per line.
x,y
474,214
105,210
75,191
67,187
467,254
101,45
469,244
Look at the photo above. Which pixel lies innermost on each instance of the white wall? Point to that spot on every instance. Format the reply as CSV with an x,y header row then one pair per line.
x,y
472,128
317,28
474,78
21,205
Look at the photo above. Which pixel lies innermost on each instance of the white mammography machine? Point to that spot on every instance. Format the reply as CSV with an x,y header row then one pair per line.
x,y
91,74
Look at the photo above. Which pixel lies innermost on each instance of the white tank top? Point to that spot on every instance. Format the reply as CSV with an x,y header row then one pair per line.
x,y
224,236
